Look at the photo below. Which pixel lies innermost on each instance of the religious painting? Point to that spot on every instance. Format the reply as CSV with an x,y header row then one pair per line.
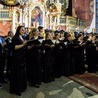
x,y
36,17
83,9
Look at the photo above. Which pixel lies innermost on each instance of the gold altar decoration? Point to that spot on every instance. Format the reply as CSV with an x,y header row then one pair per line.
x,y
52,9
58,6
10,2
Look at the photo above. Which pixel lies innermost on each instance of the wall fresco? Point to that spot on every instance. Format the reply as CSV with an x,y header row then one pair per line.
x,y
5,27
83,9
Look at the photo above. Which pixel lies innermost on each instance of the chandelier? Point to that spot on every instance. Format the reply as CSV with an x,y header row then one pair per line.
x,y
10,2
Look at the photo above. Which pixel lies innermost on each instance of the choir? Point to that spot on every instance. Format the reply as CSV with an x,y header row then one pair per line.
x,y
34,58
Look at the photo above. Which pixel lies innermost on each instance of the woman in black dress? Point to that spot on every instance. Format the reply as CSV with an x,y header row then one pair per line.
x,y
47,59
58,56
91,53
18,81
69,64
79,55
34,59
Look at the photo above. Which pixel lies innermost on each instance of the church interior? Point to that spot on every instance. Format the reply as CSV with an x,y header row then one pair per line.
x,y
48,48
52,14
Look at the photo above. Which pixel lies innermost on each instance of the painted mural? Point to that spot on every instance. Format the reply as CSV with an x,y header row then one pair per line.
x,y
5,27
83,9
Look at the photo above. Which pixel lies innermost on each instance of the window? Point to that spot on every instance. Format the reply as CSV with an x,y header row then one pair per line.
x,y
4,14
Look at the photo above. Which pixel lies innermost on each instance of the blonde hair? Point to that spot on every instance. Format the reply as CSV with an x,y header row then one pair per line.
x,y
32,33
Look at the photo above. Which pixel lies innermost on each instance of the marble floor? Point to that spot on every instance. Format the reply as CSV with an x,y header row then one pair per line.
x,y
61,88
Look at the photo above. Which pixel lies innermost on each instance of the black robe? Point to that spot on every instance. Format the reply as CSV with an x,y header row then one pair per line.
x,y
2,59
58,59
47,61
91,56
69,66
9,56
34,63
18,80
79,58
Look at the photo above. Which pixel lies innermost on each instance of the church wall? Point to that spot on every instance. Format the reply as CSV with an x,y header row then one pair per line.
x,y
82,9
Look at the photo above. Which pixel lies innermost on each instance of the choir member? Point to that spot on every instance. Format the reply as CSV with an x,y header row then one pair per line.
x,y
69,67
93,31
18,81
26,34
79,55
41,31
96,52
47,59
62,35
77,31
9,53
91,53
85,33
58,56
34,59
2,59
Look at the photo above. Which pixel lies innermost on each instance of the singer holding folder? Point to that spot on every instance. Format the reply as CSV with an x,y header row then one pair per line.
x,y
34,59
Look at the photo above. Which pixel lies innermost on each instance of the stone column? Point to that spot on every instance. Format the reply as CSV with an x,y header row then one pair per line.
x,y
21,18
13,20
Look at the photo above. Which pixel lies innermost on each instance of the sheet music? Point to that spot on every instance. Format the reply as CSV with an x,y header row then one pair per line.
x,y
65,43
54,41
41,40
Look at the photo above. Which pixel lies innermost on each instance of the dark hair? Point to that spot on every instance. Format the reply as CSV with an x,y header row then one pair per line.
x,y
80,35
97,36
46,35
26,28
47,31
18,30
9,32
68,35
40,27
62,31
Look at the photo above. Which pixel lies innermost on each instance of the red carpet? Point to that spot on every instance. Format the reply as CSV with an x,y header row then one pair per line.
x,y
89,80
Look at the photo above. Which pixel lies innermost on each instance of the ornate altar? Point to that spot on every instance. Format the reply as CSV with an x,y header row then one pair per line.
x,y
32,13
71,22
81,23
36,13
